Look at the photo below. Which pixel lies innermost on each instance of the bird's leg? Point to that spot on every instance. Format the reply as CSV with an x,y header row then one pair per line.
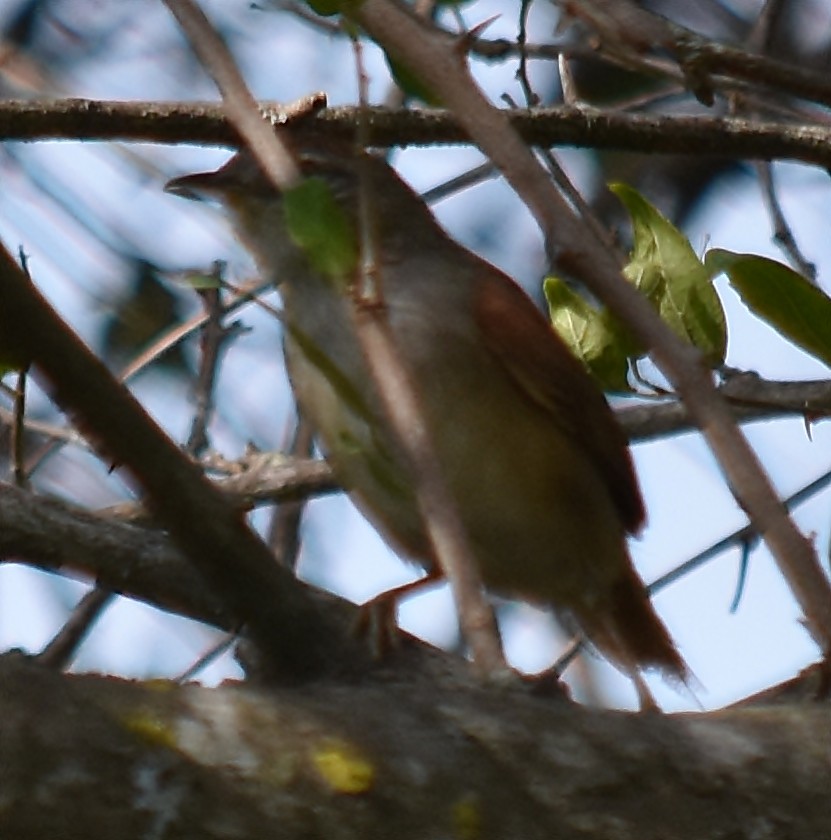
x,y
646,700
377,617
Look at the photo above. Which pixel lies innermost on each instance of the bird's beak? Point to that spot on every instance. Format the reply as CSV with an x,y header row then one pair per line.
x,y
239,175
200,186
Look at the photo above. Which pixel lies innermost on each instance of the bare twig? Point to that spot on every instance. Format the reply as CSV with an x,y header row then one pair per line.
x,y
17,437
241,107
439,510
745,536
757,41
477,175
567,83
214,652
782,233
284,533
531,99
213,339
259,478
61,650
240,297
18,425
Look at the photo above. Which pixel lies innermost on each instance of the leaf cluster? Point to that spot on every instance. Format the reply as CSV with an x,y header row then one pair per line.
x,y
665,268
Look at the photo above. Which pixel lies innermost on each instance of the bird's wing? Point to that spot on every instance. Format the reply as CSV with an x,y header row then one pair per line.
x,y
548,374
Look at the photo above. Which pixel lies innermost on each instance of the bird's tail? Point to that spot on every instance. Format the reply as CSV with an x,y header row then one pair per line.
x,y
626,629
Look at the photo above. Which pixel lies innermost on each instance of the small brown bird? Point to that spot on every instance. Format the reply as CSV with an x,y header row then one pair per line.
x,y
532,454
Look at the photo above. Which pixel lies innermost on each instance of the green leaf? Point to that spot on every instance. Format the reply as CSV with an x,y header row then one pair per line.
x,y
592,335
779,295
664,266
319,225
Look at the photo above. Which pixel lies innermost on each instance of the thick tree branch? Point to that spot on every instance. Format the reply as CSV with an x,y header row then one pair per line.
x,y
399,756
206,123
139,562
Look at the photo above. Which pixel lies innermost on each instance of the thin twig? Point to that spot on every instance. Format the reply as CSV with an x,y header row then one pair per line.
x,y
241,107
758,41
207,658
213,340
438,508
241,295
61,650
782,234
18,426
284,532
558,174
746,535
476,175
531,99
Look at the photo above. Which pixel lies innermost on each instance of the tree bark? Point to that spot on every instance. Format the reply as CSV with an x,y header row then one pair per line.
x,y
402,754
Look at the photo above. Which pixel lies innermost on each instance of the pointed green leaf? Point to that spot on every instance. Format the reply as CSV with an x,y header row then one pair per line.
x,y
319,225
779,295
593,336
664,266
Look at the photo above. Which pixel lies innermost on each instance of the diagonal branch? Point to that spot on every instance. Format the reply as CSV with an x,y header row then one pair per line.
x,y
294,632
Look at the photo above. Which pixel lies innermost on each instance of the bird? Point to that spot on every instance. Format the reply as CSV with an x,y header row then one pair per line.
x,y
537,465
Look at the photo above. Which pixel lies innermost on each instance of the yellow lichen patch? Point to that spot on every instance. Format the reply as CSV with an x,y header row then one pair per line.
x,y
150,728
342,767
467,819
